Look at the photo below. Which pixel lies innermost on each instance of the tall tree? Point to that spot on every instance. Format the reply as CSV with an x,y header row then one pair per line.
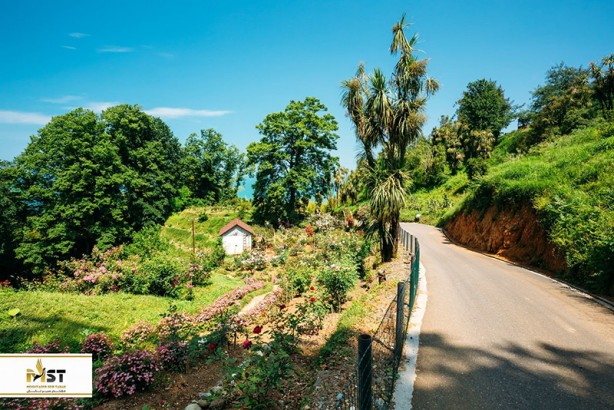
x,y
293,160
484,107
389,115
603,82
11,218
211,168
86,180
150,154
562,104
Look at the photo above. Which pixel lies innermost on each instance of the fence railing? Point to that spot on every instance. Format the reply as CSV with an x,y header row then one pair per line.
x,y
379,355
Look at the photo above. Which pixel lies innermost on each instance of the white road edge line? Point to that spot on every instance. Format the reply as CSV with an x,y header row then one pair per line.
x,y
404,386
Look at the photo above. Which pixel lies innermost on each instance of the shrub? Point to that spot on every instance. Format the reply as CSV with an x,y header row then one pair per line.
x,y
99,345
51,347
255,260
124,375
164,277
137,334
173,356
296,280
338,280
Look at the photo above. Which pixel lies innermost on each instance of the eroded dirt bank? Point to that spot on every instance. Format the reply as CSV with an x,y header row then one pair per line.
x,y
514,234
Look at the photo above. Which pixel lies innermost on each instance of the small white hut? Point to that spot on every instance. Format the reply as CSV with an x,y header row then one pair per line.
x,y
236,237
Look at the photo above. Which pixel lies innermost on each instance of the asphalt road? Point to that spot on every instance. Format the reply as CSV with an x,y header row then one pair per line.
x,y
497,336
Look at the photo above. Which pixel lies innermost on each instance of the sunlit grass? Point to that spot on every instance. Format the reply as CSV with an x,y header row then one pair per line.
x,y
46,316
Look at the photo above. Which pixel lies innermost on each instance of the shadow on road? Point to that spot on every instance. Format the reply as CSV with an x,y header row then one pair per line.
x,y
511,377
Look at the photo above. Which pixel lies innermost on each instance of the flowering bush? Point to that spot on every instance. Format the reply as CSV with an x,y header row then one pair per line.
x,y
338,280
173,356
175,325
51,347
124,375
137,334
99,345
324,222
100,272
296,280
256,260
309,230
266,364
222,303
164,276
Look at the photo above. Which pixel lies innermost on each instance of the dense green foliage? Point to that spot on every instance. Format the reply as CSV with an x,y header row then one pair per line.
x,y
210,168
293,160
88,180
484,107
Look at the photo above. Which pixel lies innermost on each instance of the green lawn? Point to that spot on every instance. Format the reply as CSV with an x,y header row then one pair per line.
x,y
46,316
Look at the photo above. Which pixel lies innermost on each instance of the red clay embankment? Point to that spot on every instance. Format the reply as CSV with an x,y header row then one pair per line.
x,y
511,233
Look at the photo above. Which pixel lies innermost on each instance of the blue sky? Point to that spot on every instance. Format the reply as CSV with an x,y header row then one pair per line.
x,y
225,65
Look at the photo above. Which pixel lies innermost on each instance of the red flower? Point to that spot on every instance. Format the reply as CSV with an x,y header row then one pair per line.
x,y
282,307
258,329
312,299
246,375
312,288
211,347
247,344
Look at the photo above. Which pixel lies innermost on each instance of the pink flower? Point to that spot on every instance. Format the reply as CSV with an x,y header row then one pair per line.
x,y
247,344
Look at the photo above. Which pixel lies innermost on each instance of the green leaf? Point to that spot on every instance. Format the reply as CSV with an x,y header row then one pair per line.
x,y
13,312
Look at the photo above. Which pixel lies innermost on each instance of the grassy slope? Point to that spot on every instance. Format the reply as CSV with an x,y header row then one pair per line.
x,y
569,181
178,227
46,316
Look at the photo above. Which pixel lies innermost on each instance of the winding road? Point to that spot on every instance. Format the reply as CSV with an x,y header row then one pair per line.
x,y
497,336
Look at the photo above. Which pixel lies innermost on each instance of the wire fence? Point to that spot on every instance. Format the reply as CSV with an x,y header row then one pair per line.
x,y
371,385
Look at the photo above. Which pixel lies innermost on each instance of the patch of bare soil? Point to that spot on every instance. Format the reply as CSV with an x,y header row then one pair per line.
x,y
511,233
176,392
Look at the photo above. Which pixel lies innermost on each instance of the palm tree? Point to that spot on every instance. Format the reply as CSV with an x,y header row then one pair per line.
x,y
389,115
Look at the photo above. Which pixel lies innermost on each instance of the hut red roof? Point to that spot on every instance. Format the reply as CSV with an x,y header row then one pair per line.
x,y
236,222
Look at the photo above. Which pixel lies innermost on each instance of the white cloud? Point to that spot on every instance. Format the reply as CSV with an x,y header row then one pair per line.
x,y
61,100
17,117
69,47
168,112
78,35
115,49
100,106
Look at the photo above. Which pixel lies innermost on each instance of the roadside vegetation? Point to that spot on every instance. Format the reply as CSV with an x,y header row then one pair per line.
x,y
559,162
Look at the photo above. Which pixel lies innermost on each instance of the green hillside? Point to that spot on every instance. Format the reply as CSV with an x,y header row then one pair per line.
x,y
568,180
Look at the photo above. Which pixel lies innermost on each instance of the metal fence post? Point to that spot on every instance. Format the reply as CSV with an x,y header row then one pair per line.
x,y
365,397
398,341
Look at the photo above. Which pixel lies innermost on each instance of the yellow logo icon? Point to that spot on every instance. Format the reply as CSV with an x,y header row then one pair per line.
x,y
32,376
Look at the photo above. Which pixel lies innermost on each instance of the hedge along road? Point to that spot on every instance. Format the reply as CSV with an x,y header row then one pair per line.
x,y
497,336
